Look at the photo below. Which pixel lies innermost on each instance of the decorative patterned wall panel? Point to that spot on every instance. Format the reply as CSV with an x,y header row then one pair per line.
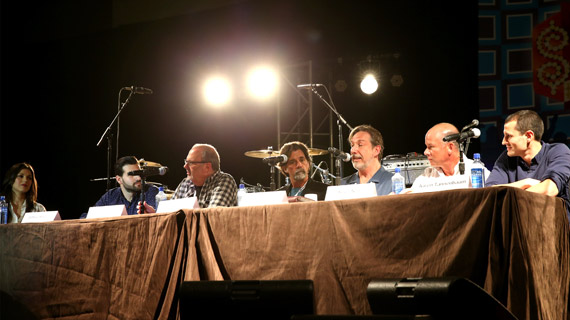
x,y
507,58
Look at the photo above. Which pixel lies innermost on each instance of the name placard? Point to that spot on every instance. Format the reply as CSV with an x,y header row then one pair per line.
x,y
116,210
45,216
177,204
351,191
431,184
264,198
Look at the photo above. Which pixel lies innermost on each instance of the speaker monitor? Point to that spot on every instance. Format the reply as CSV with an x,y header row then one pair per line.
x,y
439,298
411,166
260,299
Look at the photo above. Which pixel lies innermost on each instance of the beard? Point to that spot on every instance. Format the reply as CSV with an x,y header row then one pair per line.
x,y
133,188
300,175
359,165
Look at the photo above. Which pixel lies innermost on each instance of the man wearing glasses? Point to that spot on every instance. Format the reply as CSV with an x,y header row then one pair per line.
x,y
205,180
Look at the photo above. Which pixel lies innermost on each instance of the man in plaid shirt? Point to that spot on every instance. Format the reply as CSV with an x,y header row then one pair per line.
x,y
205,180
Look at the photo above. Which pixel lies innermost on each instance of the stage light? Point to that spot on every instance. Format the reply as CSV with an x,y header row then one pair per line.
x,y
262,82
217,91
370,72
369,84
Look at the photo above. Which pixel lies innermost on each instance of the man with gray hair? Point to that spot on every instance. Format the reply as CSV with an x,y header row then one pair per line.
x,y
205,180
298,169
366,149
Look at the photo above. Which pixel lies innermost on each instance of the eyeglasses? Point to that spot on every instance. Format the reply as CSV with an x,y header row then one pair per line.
x,y
186,162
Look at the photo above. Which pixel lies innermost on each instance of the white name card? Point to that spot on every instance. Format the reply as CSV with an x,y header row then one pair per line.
x,y
431,184
45,216
351,191
177,204
107,211
264,198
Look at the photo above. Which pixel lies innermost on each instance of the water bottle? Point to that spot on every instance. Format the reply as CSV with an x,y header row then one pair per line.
x,y
241,192
398,182
477,172
4,209
160,196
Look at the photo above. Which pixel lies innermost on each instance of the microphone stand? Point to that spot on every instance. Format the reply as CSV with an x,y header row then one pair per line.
x,y
338,165
461,163
462,151
142,193
106,133
272,186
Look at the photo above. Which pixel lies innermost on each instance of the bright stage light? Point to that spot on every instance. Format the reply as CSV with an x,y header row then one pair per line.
x,y
369,84
217,91
262,83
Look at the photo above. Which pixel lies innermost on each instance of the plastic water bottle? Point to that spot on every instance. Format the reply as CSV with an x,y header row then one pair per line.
x,y
477,172
4,209
160,196
398,182
241,192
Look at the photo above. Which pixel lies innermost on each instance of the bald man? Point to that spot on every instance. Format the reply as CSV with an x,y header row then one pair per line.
x,y
443,156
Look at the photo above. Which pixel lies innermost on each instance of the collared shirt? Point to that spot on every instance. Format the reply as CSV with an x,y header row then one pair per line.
x,y
436,172
551,162
382,178
219,190
185,189
115,196
38,207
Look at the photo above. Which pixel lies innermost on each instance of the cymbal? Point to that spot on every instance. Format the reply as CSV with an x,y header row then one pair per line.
x,y
317,152
144,163
272,153
262,153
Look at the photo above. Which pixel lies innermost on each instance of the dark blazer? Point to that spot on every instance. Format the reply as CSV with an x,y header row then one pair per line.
x,y
312,187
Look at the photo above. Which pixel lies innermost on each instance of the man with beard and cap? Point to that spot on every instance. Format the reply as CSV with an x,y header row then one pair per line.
x,y
128,192
297,168
366,149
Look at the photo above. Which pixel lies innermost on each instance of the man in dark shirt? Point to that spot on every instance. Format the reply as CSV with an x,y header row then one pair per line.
x,y
530,163
128,192
298,169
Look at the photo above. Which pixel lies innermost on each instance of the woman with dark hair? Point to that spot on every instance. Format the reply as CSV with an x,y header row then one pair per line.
x,y
21,191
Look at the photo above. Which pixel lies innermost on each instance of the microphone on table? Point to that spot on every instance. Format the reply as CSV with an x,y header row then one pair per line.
x,y
150,171
309,85
470,133
138,90
275,160
339,154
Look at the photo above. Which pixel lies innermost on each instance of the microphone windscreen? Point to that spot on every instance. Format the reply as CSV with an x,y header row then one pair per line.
x,y
476,132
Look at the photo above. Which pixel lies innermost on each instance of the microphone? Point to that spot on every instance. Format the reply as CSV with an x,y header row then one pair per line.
x,y
150,171
275,160
473,124
339,154
138,90
309,85
471,133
